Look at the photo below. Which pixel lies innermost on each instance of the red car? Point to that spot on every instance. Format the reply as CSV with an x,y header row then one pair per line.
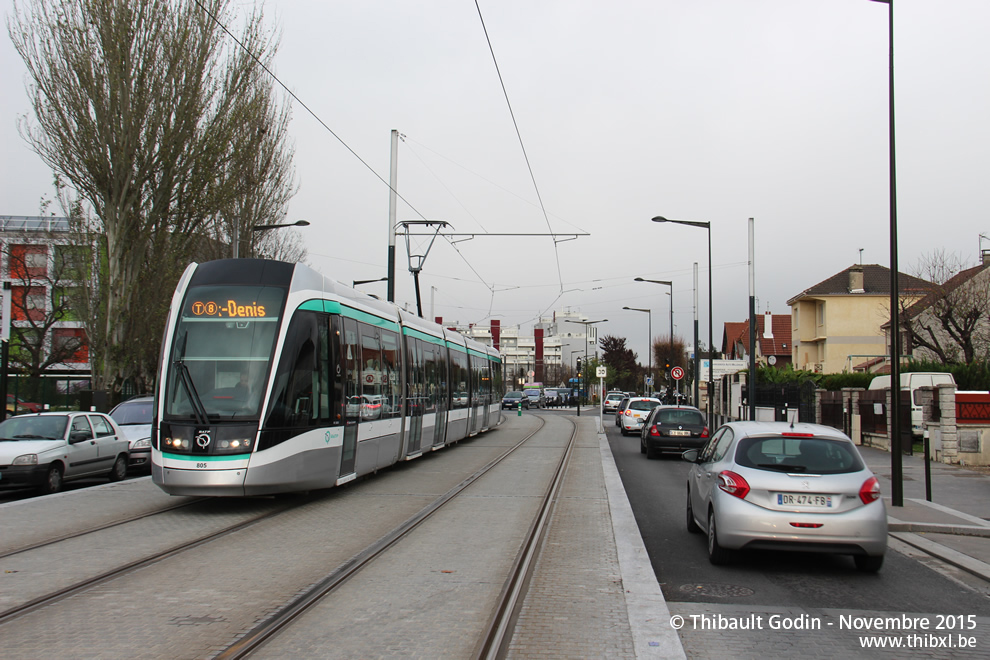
x,y
15,405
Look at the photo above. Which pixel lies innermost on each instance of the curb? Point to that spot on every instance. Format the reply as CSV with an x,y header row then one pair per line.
x,y
959,560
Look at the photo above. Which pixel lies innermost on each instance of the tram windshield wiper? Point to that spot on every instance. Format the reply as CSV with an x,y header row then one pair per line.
x,y
199,410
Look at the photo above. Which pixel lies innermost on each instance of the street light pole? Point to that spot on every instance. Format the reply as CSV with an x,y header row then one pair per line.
x,y
711,352
586,325
896,477
671,294
649,371
259,228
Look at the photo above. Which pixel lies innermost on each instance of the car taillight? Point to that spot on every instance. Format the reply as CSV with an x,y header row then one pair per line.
x,y
704,432
628,413
733,484
654,431
870,490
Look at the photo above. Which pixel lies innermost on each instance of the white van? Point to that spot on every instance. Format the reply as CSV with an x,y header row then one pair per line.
x,y
912,382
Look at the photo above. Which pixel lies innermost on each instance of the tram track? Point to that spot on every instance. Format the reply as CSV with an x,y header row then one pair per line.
x,y
497,633
125,569
182,584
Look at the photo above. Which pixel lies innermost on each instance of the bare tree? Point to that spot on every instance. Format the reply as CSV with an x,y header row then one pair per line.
x,y
163,126
952,322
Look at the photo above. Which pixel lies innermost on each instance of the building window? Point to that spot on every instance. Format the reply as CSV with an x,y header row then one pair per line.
x,y
821,314
26,262
72,262
28,302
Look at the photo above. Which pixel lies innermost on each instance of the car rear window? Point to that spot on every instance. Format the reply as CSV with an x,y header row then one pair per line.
x,y
787,454
689,417
643,405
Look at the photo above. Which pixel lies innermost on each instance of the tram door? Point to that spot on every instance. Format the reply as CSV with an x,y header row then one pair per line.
x,y
349,374
415,382
437,380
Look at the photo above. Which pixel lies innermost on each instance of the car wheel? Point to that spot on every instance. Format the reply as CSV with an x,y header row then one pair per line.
x,y
717,555
868,564
623,431
651,453
119,470
53,480
692,525
642,446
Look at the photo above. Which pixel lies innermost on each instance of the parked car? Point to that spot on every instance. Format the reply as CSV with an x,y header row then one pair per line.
x,y
611,401
134,419
513,400
536,397
16,405
44,450
631,419
673,429
785,486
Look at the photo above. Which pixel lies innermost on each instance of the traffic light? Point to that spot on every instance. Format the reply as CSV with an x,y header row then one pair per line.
x,y
579,365
666,364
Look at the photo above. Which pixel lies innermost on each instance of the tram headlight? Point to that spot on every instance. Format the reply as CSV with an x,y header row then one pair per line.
x,y
235,439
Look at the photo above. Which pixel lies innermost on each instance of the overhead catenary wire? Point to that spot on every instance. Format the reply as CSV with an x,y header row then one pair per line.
x,y
522,146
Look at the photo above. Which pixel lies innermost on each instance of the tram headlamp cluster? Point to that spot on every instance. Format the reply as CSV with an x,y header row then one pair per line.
x,y
181,444
233,446
214,440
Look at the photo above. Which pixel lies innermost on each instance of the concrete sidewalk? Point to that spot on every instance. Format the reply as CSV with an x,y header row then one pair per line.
x,y
955,525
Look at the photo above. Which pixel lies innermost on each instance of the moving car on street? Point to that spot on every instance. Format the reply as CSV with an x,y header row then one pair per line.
x,y
611,401
636,410
783,486
536,397
513,400
673,429
45,449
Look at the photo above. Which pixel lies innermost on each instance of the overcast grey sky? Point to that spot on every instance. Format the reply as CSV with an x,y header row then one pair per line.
x,y
708,110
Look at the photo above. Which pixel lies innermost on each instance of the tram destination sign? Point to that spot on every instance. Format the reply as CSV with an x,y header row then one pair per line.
x,y
227,309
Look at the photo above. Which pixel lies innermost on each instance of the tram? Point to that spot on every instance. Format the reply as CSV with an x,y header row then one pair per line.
x,y
276,379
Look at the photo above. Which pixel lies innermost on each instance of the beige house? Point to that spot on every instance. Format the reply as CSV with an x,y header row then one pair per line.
x,y
838,323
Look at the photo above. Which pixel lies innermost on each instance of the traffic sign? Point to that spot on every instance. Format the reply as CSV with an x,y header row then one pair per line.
x,y
601,372
649,381
677,373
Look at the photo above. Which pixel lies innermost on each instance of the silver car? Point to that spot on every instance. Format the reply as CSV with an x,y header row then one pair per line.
x,y
44,449
781,486
635,413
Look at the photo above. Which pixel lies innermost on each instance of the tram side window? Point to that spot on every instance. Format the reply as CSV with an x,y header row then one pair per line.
x,y
299,385
352,370
432,378
373,402
498,387
391,394
459,377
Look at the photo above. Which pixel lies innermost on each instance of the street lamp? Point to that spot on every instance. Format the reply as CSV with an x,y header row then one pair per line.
x,y
649,314
896,477
711,353
237,236
585,324
671,294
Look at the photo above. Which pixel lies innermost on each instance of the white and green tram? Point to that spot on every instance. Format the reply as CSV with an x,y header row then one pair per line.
x,y
275,379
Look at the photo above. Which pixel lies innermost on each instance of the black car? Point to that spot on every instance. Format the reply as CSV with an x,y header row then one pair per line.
x,y
513,399
673,429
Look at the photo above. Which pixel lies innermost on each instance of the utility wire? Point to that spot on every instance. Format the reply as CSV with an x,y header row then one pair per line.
x,y
560,277
298,100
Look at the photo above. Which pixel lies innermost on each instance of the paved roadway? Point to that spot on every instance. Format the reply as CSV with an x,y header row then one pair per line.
x,y
816,585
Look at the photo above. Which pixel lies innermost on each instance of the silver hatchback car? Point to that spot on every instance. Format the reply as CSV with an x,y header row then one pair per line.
x,y
782,486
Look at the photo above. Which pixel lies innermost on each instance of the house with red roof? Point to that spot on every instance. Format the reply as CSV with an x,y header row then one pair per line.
x,y
773,340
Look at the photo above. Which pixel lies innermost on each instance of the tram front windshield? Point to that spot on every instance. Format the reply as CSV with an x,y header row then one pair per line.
x,y
221,353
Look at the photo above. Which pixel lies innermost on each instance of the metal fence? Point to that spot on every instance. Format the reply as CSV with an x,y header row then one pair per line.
x,y
783,397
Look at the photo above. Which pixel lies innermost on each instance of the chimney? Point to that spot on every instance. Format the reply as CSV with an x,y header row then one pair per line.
x,y
856,280
985,258
768,325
